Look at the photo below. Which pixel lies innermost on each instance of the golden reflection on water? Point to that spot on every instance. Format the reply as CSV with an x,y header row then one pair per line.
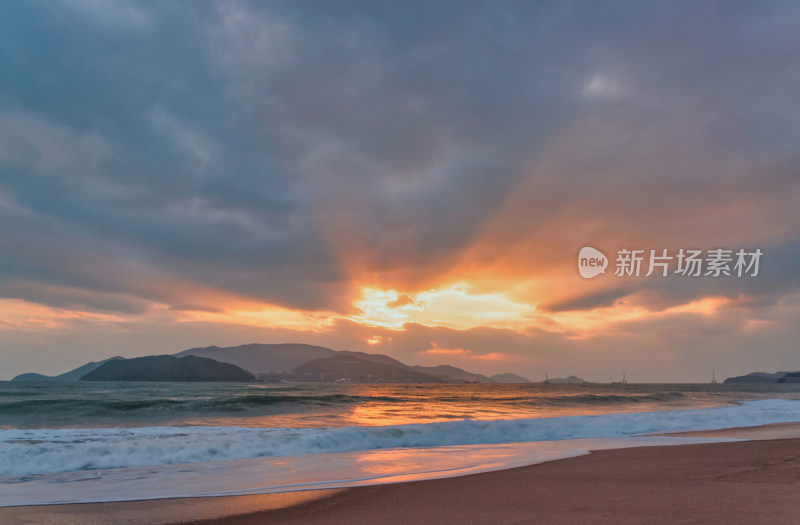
x,y
457,402
370,405
402,460
391,461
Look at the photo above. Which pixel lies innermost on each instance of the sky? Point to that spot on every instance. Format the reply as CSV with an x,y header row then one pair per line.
x,y
408,178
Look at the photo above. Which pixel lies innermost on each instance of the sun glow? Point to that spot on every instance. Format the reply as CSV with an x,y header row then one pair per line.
x,y
435,350
452,307
467,354
269,316
380,312
17,314
585,324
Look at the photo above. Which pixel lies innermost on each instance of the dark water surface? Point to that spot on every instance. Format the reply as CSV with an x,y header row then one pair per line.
x,y
87,405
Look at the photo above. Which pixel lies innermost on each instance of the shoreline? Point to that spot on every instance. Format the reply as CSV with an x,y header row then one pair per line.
x,y
743,482
756,433
284,474
769,449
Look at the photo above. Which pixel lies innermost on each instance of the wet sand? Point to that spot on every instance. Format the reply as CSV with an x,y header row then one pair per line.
x,y
155,512
747,482
774,431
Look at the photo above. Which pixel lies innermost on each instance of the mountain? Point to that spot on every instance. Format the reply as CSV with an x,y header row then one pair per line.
x,y
354,368
452,374
259,358
375,358
34,377
167,368
270,358
791,377
279,362
568,380
760,377
72,375
508,377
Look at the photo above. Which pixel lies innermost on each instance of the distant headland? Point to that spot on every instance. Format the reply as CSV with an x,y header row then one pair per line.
x,y
288,362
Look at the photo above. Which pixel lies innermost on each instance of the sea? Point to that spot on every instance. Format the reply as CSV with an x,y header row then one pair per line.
x,y
86,442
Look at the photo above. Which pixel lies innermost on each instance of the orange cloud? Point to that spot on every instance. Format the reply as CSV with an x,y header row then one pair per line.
x,y
495,356
468,354
268,316
435,350
17,314
456,308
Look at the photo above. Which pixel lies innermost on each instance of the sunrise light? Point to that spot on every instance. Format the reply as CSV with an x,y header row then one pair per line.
x,y
453,307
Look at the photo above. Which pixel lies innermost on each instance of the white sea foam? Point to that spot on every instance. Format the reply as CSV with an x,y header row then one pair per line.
x,y
306,472
27,452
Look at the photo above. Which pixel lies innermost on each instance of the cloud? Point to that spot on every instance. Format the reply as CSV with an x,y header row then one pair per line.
x,y
114,13
455,307
590,300
247,38
73,298
28,140
404,300
234,163
193,142
495,356
603,86
434,350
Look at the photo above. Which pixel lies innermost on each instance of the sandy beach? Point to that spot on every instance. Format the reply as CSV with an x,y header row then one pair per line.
x,y
746,482
725,483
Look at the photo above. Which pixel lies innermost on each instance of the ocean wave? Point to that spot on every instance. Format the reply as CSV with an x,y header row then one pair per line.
x,y
609,399
565,399
26,452
222,404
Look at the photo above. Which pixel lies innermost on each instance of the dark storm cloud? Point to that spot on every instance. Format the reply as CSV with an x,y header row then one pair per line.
x,y
591,300
241,145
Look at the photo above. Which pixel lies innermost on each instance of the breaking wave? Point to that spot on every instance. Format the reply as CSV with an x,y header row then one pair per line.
x,y
38,451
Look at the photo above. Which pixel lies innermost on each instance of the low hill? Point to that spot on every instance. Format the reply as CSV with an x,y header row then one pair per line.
x,y
568,380
760,377
452,374
509,377
351,367
375,358
791,377
167,368
33,377
72,375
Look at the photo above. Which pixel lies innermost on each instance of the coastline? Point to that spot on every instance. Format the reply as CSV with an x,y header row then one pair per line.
x,y
725,482
156,512
760,432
